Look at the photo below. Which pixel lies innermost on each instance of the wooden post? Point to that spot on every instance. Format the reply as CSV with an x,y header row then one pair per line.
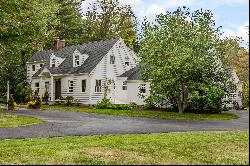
x,y
52,87
8,94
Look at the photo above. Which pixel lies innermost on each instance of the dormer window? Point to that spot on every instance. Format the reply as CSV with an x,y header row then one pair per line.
x,y
127,61
53,64
77,60
112,59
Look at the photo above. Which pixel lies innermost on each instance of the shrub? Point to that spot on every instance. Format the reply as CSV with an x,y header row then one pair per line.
x,y
69,100
76,102
104,104
23,92
11,103
35,102
204,104
236,105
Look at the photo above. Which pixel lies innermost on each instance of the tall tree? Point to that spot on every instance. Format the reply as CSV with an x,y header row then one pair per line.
x,y
108,18
181,56
23,24
71,26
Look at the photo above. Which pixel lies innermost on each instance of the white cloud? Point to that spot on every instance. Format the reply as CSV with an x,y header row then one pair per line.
x,y
240,31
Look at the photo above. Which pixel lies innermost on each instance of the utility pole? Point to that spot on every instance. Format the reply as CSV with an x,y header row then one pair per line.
x,y
8,94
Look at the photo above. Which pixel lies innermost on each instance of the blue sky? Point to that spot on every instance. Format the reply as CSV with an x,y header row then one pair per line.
x,y
232,15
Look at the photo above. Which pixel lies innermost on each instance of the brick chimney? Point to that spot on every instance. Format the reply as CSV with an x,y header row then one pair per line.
x,y
58,44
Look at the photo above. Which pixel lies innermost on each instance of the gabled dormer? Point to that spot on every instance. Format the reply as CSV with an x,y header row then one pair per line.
x,y
78,58
55,61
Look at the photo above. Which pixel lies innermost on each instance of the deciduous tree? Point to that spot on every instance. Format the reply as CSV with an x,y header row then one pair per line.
x,y
181,56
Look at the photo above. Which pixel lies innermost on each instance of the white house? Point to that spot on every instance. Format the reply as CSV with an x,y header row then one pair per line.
x,y
237,96
82,71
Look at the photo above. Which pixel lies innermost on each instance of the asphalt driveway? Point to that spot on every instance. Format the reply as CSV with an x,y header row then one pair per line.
x,y
66,123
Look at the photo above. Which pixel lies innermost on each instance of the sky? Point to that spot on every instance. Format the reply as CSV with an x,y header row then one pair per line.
x,y
232,15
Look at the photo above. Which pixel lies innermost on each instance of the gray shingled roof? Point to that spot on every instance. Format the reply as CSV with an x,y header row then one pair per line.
x,y
132,74
96,51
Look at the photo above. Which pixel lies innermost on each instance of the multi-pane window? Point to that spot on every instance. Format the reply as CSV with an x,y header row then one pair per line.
x,y
77,60
239,93
143,88
33,67
71,85
112,59
41,65
37,86
53,62
127,61
98,86
124,85
47,86
83,85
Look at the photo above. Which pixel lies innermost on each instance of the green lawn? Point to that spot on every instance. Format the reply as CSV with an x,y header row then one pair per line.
x,y
222,147
148,114
9,120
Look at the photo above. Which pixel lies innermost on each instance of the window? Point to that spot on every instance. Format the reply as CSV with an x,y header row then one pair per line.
x,y
125,85
239,93
53,62
83,85
47,86
143,88
41,65
33,67
112,59
37,87
98,86
71,84
127,61
77,60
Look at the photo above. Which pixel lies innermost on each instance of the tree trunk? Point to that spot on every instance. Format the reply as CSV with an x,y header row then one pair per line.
x,y
182,100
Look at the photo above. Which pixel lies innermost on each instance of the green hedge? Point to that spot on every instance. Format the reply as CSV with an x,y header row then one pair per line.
x,y
106,104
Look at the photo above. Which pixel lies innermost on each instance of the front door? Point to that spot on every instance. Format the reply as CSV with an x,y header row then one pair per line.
x,y
58,88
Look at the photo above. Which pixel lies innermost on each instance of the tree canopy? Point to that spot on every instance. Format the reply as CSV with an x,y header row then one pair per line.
x,y
108,18
181,56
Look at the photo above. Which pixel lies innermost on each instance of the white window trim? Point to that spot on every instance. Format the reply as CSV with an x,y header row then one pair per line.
x,y
70,86
98,88
77,60
126,61
33,69
53,62
112,60
85,86
125,85
37,88
47,88
142,86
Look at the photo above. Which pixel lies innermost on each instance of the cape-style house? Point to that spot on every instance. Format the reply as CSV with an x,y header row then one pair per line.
x,y
83,71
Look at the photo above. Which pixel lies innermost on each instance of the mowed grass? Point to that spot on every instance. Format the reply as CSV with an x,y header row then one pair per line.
x,y
216,147
146,113
9,120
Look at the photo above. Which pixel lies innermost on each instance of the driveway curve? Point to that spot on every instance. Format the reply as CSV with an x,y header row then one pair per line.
x,y
67,123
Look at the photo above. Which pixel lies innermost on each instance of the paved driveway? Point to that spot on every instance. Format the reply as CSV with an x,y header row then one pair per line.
x,y
65,123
